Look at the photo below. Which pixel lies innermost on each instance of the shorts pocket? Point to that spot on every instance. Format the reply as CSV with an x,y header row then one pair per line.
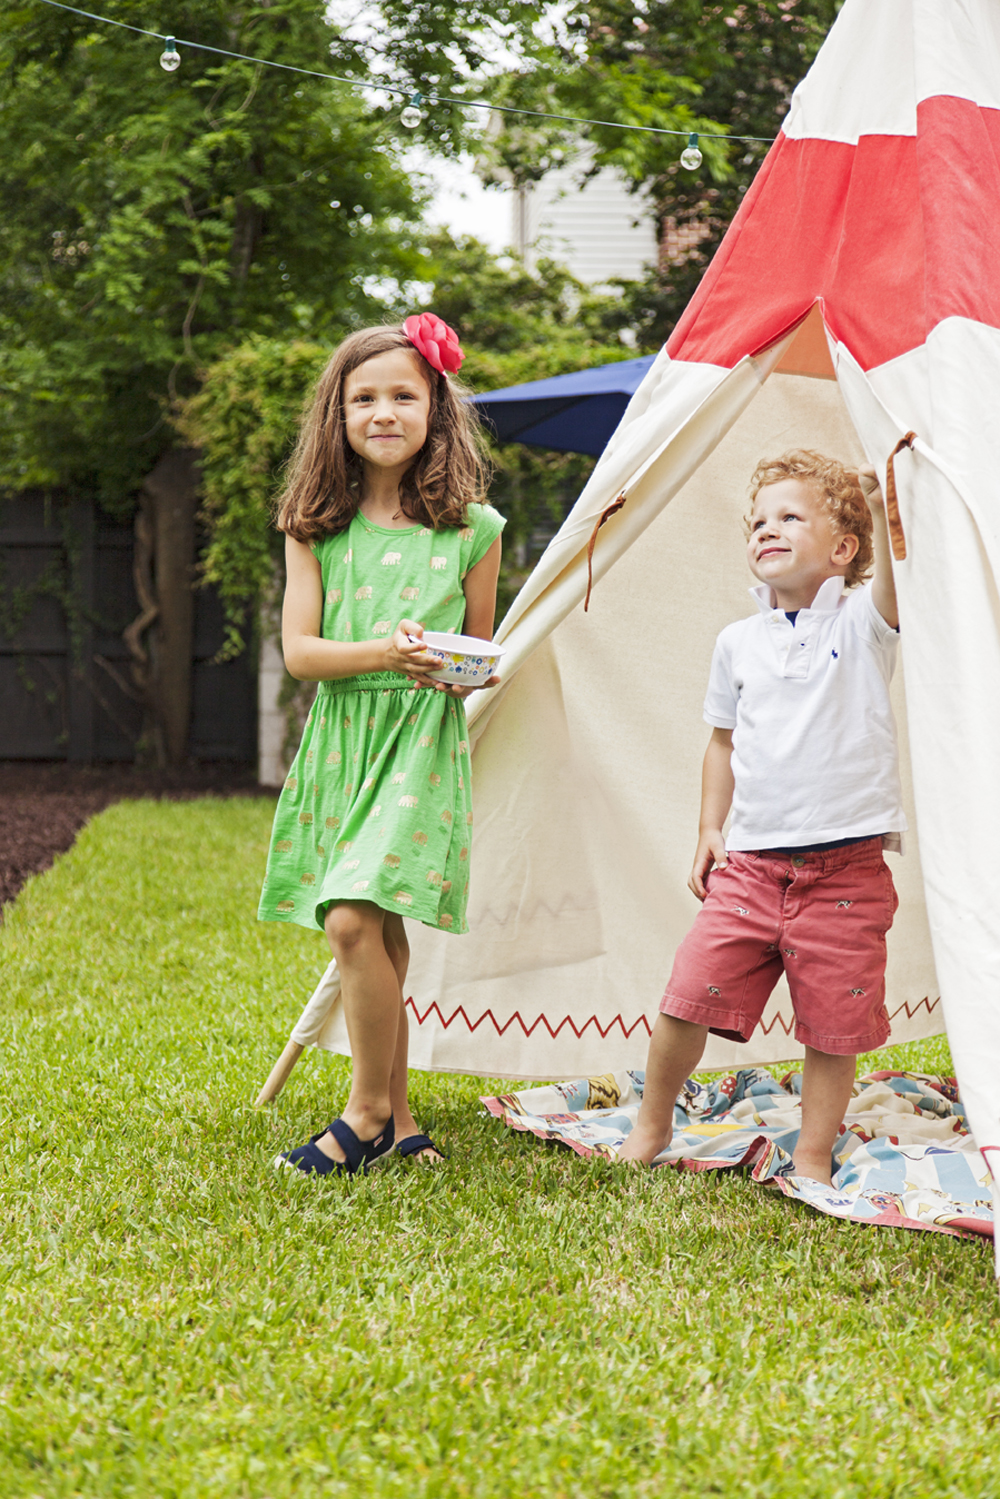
x,y
891,897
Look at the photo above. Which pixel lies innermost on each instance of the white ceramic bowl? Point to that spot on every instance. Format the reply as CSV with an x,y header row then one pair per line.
x,y
465,661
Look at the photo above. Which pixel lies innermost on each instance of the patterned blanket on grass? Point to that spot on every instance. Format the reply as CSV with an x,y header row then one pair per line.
x,y
904,1157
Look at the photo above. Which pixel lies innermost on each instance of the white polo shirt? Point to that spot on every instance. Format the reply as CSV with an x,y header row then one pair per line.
x,y
814,749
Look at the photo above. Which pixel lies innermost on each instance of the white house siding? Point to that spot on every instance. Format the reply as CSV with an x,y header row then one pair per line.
x,y
595,226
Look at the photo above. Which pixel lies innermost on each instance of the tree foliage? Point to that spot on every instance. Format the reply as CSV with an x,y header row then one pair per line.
x,y
441,49
150,219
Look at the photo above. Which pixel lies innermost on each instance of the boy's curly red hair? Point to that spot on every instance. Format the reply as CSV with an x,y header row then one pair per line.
x,y
838,489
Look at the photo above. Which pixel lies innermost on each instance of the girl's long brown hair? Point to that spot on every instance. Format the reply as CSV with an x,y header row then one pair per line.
x,y
323,483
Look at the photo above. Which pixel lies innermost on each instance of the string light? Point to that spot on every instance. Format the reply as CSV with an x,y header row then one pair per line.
x,y
393,88
170,58
691,157
412,114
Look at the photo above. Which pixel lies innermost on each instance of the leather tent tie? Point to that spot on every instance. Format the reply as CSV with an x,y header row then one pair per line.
x,y
612,509
896,535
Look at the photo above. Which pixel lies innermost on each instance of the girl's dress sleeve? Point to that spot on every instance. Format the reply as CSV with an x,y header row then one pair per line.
x,y
484,526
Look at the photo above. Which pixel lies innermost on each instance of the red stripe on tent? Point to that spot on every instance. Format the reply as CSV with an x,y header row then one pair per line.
x,y
891,235
958,147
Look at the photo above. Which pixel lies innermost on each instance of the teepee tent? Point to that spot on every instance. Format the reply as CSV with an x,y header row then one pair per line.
x,y
854,302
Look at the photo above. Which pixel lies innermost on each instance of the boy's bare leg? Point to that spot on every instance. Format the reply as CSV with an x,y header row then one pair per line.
x,y
826,1091
675,1049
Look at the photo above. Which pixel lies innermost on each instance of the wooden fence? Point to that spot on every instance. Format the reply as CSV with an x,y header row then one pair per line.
x,y
66,595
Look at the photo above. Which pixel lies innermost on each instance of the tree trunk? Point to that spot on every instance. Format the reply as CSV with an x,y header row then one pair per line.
x,y
164,576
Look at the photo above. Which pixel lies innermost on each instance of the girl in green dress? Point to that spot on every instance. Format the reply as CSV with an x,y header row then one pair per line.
x,y
386,535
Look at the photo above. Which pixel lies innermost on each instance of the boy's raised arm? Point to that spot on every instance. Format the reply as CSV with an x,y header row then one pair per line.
x,y
883,582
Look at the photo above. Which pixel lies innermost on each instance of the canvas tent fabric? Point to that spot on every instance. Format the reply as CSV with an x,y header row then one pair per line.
x,y
867,247
576,413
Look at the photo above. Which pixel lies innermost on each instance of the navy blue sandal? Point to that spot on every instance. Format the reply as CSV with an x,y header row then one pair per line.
x,y
359,1154
414,1144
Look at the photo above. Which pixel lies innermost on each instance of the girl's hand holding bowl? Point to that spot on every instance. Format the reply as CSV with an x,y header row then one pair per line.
x,y
463,663
405,653
455,664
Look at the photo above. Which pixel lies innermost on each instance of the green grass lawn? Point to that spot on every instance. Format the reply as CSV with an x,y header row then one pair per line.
x,y
179,1320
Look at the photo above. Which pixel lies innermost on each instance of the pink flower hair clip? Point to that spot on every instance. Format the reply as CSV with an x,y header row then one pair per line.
x,y
438,343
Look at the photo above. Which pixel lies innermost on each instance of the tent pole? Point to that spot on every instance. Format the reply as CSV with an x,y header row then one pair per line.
x,y
279,1074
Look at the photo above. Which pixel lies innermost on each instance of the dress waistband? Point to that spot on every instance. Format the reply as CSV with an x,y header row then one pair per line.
x,y
373,681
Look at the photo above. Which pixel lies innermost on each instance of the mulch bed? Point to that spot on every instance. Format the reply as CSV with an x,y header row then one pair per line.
x,y
44,804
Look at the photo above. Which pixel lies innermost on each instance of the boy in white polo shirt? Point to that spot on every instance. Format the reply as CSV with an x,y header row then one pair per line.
x,y
803,753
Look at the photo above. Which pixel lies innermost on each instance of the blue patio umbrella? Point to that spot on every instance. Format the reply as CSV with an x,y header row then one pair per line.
x,y
574,413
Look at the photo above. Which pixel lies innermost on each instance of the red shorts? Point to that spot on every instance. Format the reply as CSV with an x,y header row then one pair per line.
x,y
821,917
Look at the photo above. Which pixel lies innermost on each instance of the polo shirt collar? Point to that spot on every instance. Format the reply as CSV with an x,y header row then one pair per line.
x,y
827,600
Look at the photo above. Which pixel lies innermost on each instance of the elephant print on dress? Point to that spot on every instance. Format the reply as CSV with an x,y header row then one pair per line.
x,y
376,753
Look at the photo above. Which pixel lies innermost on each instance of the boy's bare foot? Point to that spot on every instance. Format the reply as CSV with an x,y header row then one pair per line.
x,y
642,1146
814,1167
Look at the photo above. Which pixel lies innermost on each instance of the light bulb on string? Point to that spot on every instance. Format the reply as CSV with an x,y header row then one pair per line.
x,y
691,157
170,58
411,114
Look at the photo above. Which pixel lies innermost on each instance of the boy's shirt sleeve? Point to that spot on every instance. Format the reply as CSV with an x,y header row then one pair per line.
x,y
484,526
723,693
866,618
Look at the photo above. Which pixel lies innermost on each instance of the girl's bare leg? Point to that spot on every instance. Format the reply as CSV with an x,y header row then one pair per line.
x,y
371,996
826,1091
675,1049
398,949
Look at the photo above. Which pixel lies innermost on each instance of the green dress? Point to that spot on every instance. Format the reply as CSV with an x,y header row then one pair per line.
x,y
377,805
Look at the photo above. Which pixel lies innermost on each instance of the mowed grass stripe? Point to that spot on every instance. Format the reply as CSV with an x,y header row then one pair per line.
x,y
179,1321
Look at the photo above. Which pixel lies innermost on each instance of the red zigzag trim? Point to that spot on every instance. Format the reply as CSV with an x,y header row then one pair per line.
x,y
542,1020
603,1031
